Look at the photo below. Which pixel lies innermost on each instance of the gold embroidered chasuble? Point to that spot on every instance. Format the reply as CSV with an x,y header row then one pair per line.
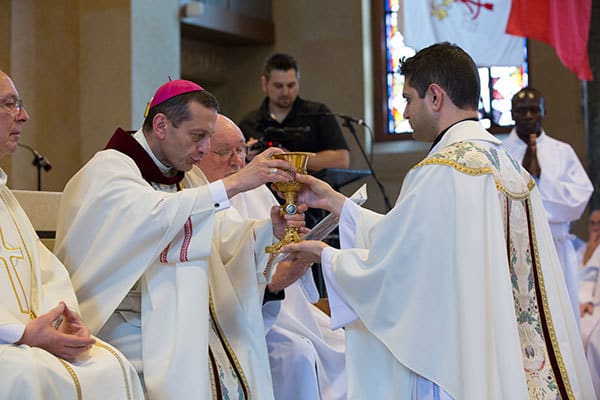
x,y
459,285
32,282
543,365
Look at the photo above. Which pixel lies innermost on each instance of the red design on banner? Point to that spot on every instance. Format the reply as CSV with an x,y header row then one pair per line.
x,y
563,24
163,254
183,254
475,6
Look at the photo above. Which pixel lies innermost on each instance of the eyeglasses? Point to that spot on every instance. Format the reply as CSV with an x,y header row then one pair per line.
x,y
13,104
226,155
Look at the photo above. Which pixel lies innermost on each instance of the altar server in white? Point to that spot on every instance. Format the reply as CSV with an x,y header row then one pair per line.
x,y
305,355
457,292
563,184
46,351
146,256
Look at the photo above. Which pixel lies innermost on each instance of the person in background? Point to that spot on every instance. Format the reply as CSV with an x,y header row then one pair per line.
x,y
285,119
559,175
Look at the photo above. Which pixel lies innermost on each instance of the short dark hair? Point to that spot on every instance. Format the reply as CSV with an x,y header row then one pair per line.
x,y
451,68
176,108
280,61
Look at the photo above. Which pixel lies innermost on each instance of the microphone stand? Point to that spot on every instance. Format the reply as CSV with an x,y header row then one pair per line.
x,y
348,124
39,161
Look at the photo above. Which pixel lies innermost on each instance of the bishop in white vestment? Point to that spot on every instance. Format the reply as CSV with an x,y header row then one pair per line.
x,y
142,250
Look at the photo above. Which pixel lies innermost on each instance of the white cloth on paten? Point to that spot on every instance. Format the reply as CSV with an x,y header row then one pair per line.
x,y
33,282
306,356
452,317
113,231
565,190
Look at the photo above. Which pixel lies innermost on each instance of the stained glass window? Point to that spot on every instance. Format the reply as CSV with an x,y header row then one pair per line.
x,y
498,84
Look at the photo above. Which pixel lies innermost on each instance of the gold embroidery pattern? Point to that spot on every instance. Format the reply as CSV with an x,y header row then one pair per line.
x,y
32,293
10,264
229,349
457,166
121,364
546,306
74,376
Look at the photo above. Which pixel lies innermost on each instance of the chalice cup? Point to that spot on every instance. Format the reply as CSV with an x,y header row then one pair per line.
x,y
290,191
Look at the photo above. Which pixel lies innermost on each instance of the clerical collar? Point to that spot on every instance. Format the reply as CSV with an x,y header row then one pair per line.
x,y
141,139
124,142
442,133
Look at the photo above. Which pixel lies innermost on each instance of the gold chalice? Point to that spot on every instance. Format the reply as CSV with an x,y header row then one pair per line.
x,y
289,190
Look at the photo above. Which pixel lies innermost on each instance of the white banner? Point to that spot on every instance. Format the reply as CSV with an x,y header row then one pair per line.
x,y
478,26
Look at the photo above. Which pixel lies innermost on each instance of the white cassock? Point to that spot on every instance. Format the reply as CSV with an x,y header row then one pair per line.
x,y
589,292
565,190
443,298
116,231
33,282
305,354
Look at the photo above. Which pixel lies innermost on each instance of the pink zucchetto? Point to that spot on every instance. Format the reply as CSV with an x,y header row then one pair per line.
x,y
171,89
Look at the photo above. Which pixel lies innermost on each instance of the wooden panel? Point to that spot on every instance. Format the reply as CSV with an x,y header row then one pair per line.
x,y
221,26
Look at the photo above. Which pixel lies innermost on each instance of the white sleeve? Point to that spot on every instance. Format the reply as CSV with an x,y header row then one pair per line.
x,y
341,312
219,195
11,333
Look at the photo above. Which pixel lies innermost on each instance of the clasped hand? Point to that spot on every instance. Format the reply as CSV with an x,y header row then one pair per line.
x,y
60,332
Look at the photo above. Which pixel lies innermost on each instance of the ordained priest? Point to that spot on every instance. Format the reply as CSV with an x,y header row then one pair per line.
x,y
46,351
138,247
305,355
457,292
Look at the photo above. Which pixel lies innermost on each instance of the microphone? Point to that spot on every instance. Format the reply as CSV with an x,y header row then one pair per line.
x,y
38,159
330,114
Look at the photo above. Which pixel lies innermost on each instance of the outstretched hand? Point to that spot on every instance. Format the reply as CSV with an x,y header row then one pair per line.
x,y
318,194
307,251
60,332
262,169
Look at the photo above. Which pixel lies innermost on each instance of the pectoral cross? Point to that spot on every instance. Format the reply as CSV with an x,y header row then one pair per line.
x,y
9,257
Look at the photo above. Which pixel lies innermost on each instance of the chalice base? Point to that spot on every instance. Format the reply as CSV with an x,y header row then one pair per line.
x,y
291,236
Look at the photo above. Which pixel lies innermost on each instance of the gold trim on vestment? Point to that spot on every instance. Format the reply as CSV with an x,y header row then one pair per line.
x,y
459,167
32,293
228,347
555,348
73,375
121,364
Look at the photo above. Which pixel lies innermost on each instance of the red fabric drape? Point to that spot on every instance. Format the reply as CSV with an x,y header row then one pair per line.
x,y
563,24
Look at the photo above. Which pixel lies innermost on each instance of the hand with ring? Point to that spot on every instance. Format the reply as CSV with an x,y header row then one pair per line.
x,y
262,169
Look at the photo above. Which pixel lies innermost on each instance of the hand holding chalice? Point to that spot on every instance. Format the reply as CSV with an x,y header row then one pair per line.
x,y
289,190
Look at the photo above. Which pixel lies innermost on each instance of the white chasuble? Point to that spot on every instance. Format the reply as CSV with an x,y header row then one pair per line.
x,y
460,285
32,283
114,230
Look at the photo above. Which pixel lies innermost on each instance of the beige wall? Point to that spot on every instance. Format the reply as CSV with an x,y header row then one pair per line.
x,y
80,77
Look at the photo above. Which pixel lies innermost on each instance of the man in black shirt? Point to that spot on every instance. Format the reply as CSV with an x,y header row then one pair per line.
x,y
295,124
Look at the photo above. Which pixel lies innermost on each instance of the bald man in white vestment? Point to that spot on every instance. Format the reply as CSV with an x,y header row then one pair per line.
x,y
562,181
457,292
305,355
46,351
147,256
